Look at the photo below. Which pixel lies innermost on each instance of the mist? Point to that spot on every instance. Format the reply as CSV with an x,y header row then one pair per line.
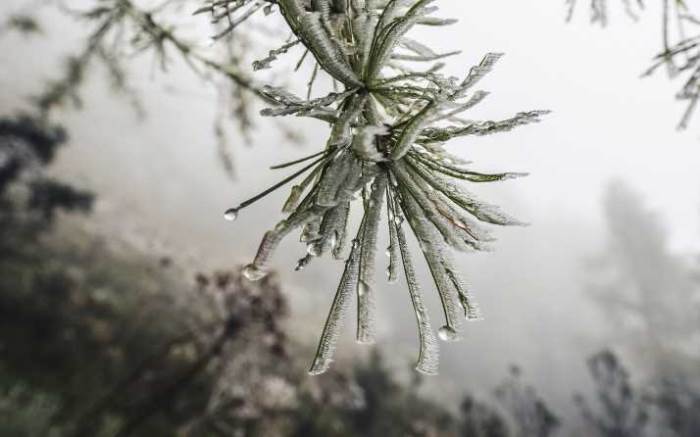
x,y
160,183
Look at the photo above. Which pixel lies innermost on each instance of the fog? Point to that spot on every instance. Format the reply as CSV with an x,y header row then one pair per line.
x,y
159,180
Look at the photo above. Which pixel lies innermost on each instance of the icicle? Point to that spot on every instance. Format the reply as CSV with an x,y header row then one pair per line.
x,y
293,200
332,179
258,268
431,247
368,244
471,309
390,33
327,51
428,355
478,72
333,221
439,135
331,330
364,25
341,233
265,63
393,250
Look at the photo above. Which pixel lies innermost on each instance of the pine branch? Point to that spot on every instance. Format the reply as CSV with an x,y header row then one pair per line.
x,y
384,147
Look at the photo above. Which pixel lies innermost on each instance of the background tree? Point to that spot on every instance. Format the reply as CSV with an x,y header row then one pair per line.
x,y
645,292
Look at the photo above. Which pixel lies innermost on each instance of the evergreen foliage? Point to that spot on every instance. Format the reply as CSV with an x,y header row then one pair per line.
x,y
388,124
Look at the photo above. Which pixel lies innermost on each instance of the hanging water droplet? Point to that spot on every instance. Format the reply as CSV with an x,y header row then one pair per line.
x,y
253,272
398,220
231,214
447,333
388,251
390,276
334,240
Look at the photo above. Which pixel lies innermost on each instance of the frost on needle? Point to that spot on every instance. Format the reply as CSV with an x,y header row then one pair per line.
x,y
389,119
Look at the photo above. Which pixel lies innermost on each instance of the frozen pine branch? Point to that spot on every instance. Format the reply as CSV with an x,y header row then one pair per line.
x,y
384,153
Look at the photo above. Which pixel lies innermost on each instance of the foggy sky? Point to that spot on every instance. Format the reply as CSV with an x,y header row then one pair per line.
x,y
160,178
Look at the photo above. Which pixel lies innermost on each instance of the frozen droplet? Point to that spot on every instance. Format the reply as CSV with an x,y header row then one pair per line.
x,y
362,288
302,263
308,234
314,249
447,333
253,272
231,214
391,277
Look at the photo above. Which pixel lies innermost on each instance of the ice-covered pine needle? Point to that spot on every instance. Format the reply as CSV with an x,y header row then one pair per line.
x,y
385,155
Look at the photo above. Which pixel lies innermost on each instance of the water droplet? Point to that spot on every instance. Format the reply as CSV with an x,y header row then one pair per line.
x,y
253,272
398,220
447,333
388,251
362,288
334,240
231,214
391,278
